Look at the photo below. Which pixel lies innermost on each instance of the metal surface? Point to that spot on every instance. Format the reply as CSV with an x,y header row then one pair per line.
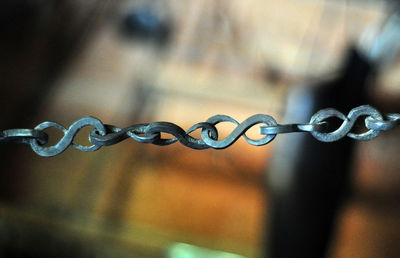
x,y
292,128
390,121
105,135
347,125
240,130
66,140
23,136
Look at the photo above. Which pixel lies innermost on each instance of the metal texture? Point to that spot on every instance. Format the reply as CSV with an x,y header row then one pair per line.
x,y
348,123
390,121
105,135
293,128
66,140
23,136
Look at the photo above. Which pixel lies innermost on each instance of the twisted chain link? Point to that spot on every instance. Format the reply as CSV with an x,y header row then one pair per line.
x,y
105,135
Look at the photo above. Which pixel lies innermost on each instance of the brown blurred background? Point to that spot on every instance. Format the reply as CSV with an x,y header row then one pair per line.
x,y
127,62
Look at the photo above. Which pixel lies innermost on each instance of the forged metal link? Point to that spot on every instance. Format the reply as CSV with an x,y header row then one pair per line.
x,y
23,136
240,130
293,128
390,121
348,122
68,137
105,135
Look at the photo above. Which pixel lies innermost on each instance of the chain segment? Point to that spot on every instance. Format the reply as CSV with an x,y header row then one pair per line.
x,y
105,135
69,134
23,136
347,125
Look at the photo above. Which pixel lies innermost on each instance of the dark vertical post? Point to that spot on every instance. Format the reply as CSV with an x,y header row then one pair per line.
x,y
307,178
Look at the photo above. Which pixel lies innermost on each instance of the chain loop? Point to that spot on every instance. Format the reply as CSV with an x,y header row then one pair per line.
x,y
115,135
66,140
292,128
389,122
151,133
240,130
105,135
180,135
348,122
23,136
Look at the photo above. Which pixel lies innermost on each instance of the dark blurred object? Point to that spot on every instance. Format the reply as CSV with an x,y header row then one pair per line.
x,y
26,241
18,21
309,179
145,24
38,39
273,75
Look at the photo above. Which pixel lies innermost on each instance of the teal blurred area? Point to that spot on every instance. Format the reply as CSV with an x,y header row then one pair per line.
x,y
182,250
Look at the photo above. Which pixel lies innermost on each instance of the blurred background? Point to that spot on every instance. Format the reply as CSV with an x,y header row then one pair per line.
x,y
133,61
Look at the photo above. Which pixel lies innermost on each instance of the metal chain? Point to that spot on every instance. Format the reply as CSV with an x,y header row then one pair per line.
x,y
105,135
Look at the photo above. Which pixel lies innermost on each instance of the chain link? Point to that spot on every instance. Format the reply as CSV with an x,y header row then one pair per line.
x,y
23,136
105,135
347,125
